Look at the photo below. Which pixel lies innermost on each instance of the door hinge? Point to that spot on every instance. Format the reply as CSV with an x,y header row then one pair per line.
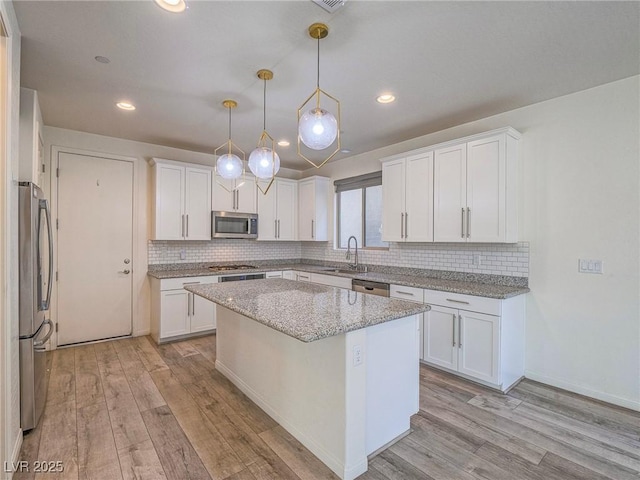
x,y
57,224
56,327
57,172
44,169
56,275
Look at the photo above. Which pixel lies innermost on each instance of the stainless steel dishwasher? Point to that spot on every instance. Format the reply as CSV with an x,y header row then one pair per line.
x,y
372,288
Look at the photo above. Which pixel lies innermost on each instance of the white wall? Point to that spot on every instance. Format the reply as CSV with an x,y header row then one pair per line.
x,y
9,348
579,199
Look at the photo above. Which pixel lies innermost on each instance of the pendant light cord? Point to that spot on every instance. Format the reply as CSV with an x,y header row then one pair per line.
x,y
264,106
318,78
229,123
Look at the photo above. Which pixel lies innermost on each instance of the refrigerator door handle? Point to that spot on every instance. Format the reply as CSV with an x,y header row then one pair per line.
x,y
44,205
38,345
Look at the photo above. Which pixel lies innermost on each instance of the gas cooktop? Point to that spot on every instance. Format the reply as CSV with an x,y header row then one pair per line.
x,y
231,267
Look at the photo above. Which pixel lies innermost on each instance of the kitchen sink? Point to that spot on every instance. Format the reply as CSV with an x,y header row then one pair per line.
x,y
343,270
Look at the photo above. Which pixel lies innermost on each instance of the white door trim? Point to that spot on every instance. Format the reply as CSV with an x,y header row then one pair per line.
x,y
137,269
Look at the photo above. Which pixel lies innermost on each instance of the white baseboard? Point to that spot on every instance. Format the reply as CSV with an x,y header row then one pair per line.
x,y
605,397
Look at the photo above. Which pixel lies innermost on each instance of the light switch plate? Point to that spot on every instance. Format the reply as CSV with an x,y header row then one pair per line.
x,y
590,266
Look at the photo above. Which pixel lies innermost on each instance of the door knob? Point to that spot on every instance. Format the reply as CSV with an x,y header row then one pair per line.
x,y
126,261
126,272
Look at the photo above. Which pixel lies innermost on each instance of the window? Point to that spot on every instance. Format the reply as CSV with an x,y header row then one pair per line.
x,y
359,210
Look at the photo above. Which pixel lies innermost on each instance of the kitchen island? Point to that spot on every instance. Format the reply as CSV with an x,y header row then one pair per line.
x,y
336,368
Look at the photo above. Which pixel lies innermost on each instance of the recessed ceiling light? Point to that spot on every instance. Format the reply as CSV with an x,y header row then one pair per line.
x,y
126,106
386,98
284,143
102,59
173,6
345,150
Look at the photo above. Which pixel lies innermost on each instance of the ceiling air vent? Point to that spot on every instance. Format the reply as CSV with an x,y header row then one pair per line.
x,y
330,6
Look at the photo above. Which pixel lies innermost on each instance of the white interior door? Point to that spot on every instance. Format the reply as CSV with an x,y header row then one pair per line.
x,y
95,239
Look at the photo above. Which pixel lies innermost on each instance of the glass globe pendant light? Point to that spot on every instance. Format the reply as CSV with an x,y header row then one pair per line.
x,y
264,162
318,128
229,166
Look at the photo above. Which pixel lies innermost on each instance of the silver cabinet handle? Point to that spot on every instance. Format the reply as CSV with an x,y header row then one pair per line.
x,y
406,225
190,283
404,293
457,301
278,228
188,304
312,236
459,331
462,224
182,226
237,199
126,271
402,225
187,235
453,330
275,229
468,222
193,304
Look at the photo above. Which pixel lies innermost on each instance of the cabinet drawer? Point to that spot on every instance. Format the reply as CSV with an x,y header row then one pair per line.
x,y
407,293
273,275
176,283
491,306
302,276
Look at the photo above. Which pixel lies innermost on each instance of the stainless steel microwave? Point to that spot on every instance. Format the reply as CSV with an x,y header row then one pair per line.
x,y
234,225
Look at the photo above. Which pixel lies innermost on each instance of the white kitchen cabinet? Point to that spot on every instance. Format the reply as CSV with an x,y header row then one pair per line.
x,y
242,200
313,200
302,276
479,338
182,201
411,294
475,189
31,165
289,275
177,313
277,211
331,280
407,198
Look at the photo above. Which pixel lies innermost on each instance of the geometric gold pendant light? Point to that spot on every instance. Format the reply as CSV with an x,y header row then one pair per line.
x,y
264,161
318,128
229,166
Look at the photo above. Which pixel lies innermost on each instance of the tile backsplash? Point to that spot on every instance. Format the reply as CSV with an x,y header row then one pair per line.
x,y
495,259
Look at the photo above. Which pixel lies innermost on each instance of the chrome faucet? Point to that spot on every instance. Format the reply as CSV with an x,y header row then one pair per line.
x,y
353,265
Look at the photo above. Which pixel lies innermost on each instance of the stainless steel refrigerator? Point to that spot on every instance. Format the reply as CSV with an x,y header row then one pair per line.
x,y
35,239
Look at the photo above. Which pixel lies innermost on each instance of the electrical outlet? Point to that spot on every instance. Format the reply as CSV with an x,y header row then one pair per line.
x,y
183,254
590,266
357,355
476,259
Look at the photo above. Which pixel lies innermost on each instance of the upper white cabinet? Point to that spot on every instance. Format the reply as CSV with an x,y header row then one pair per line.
x,y
31,168
407,198
313,199
475,189
182,201
278,211
242,200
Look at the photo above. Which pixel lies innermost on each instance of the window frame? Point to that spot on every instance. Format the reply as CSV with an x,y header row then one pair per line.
x,y
360,182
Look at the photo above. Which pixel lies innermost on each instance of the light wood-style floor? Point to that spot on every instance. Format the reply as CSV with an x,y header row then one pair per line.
x,y
130,409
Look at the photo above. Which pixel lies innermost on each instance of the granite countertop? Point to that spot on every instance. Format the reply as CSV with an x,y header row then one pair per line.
x,y
467,287
303,310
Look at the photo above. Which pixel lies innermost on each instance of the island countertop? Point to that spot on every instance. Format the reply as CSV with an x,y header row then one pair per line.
x,y
305,311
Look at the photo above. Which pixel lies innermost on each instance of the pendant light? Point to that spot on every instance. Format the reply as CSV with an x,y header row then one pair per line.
x,y
264,162
318,128
229,166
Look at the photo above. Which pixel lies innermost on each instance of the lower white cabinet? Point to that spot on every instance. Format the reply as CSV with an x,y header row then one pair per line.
x,y
176,313
411,294
289,275
481,338
331,280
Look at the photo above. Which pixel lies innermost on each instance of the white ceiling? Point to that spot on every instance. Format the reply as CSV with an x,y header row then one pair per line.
x,y
447,63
